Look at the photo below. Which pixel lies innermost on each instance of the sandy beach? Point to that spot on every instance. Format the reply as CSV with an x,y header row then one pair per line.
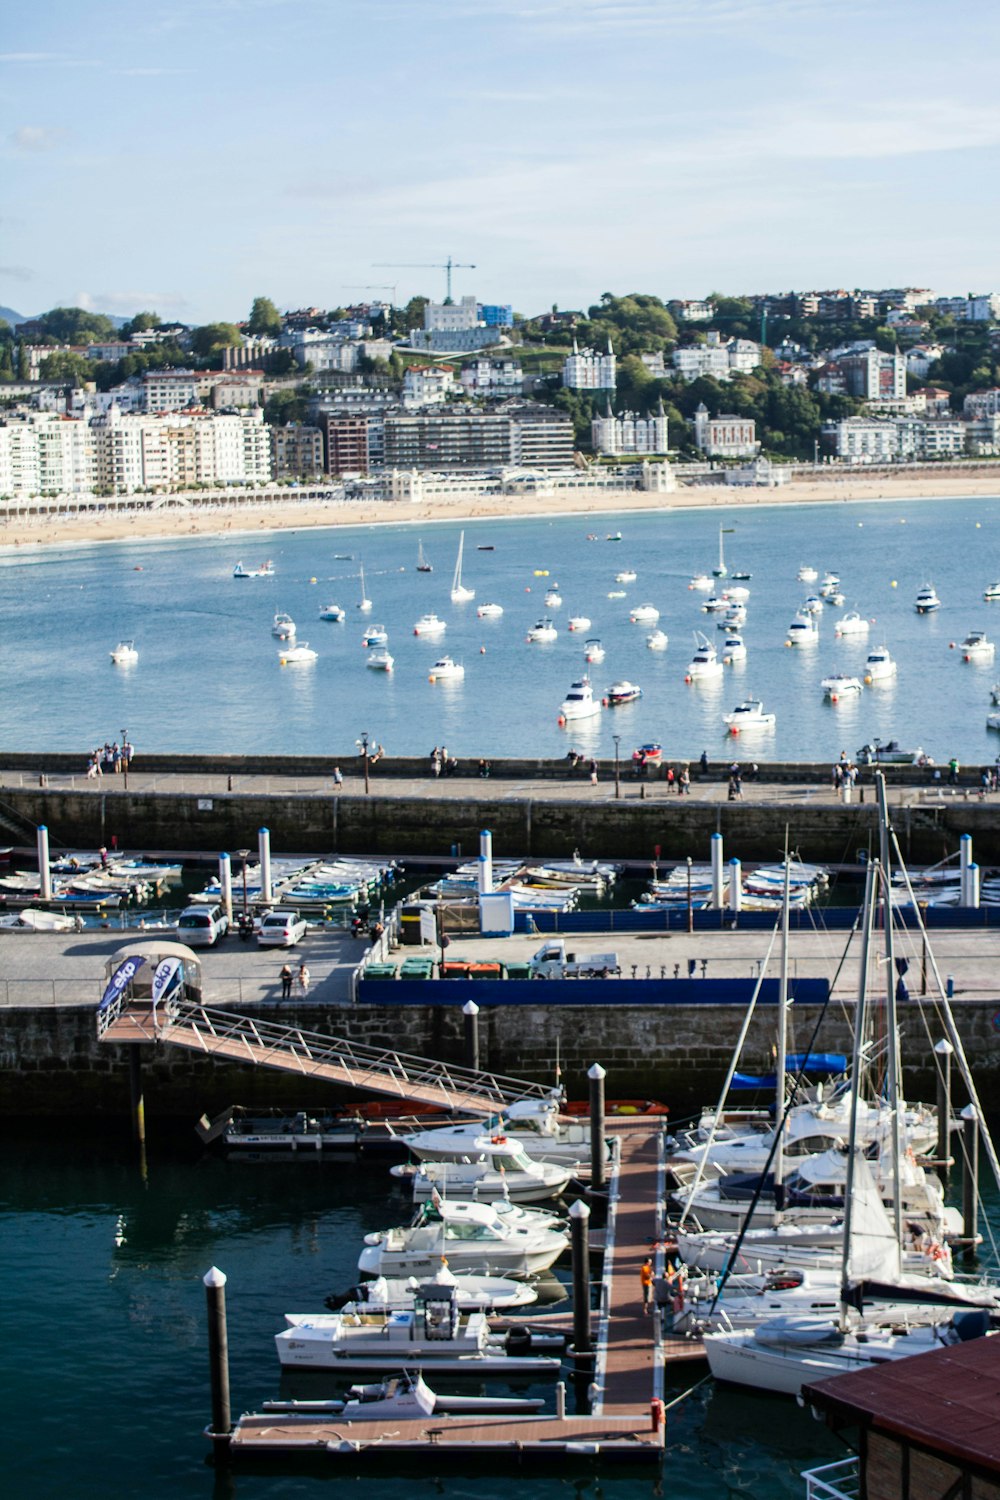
x,y
245,519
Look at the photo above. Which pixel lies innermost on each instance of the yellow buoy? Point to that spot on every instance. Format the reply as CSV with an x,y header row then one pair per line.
x,y
893,584
868,681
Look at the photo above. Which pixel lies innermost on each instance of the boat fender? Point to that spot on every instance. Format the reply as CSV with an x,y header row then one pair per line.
x,y
604,702
951,647
498,1140
518,1340
687,677
482,650
561,721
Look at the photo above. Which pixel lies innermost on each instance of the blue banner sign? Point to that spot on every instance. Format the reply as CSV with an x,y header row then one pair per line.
x,y
121,979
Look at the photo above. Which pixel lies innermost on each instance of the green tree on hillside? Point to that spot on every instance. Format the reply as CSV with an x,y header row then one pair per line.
x,y
264,318
209,341
67,366
74,325
141,323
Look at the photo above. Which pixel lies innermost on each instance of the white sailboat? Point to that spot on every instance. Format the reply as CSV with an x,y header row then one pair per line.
x,y
721,570
364,603
459,593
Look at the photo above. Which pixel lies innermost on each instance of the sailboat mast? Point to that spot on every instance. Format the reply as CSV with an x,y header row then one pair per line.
x,y
456,582
894,1079
856,1057
782,1067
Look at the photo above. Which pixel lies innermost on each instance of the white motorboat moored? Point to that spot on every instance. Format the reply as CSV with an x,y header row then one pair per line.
x,y
333,612
658,640
445,669
489,611
840,685
593,650
266,570
626,576
553,598
124,654
976,647
579,702
715,604
992,593
927,600
644,614
736,594
749,714
734,648
705,661
701,581
803,631
430,625
492,1170
473,1237
534,1123
879,665
543,630
380,660
807,574
813,605
432,1333
579,622
375,635
851,624
302,652
622,692
283,626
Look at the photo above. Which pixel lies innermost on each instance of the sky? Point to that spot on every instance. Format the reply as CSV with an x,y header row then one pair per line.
x,y
190,155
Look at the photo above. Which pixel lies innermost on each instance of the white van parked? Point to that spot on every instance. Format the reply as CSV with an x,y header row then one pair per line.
x,y
202,926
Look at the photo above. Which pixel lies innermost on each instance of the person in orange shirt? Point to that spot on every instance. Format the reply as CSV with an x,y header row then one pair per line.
x,y
646,1282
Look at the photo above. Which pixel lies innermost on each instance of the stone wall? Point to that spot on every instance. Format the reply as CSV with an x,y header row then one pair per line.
x,y
546,825
52,1065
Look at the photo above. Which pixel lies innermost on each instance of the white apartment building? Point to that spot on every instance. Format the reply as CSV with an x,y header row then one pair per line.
x,y
874,375
718,357
983,435
243,389
145,452
492,378
451,317
982,403
975,308
587,371
629,433
427,385
879,440
920,358
45,453
321,350
655,364
725,436
693,311
169,390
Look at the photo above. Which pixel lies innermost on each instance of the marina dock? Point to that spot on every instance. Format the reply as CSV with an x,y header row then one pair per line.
x,y
625,1423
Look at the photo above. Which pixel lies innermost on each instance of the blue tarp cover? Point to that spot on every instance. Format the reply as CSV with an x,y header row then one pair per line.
x,y
796,1062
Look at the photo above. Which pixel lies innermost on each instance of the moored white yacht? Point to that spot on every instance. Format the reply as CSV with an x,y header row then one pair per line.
x,y
430,624
840,685
380,660
333,612
301,652
879,665
473,1237
459,593
644,614
626,576
593,650
364,603
579,702
578,622
701,581
124,654
749,714
534,1123
736,593
851,624
927,600
734,648
622,692
376,635
489,611
705,661
803,631
543,630
813,605
992,593
445,669
807,574
283,626
829,586
491,1170
715,604
976,647
658,640
553,598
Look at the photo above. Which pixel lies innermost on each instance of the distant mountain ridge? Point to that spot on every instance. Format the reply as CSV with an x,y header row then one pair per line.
x,y
13,318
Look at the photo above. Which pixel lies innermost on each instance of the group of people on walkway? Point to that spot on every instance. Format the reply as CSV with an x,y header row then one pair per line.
x,y
442,764
111,758
301,979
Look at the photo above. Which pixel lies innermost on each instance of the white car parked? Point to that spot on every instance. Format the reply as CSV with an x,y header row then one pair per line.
x,y
202,926
280,929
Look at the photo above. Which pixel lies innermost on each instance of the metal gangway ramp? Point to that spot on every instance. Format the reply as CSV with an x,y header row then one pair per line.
x,y
220,1033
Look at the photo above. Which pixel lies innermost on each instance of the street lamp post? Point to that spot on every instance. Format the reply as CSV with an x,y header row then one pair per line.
x,y
618,778
690,907
362,745
244,855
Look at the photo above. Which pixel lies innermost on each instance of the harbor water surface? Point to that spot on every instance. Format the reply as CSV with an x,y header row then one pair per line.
x,y
208,677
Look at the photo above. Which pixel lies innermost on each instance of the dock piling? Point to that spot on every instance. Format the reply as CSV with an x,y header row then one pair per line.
x,y
943,1051
970,1178
44,872
218,1357
598,1147
136,1099
264,849
226,885
470,1012
579,1223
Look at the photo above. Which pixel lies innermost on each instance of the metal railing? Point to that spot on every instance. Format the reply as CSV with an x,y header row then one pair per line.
x,y
836,1481
189,1024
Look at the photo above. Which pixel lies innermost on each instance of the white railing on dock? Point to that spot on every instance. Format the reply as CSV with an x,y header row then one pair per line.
x,y
836,1481
188,1024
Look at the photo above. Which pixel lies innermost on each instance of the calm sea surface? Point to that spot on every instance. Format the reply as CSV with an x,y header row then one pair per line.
x,y
208,676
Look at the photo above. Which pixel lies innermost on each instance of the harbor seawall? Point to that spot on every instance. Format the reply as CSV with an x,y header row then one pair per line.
x,y
53,1067
542,824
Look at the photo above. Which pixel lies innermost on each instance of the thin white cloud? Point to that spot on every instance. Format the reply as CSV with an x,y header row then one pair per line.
x,y
31,138
17,273
129,302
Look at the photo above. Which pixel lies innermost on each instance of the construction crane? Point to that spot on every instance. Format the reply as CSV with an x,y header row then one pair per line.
x,y
447,266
